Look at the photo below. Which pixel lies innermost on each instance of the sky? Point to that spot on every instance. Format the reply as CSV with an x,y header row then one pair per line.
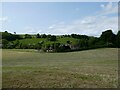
x,y
58,18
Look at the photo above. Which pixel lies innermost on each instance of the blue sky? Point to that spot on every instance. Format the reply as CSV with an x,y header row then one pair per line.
x,y
90,18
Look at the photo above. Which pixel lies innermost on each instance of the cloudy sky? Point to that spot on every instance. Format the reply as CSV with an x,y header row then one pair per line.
x,y
89,18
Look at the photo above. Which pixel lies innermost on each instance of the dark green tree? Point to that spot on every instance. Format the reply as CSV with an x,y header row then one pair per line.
x,y
118,39
9,36
51,38
56,46
108,37
43,36
38,36
4,43
28,36
68,42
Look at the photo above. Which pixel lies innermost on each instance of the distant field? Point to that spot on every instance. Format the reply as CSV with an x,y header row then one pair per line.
x,y
30,69
36,40
31,41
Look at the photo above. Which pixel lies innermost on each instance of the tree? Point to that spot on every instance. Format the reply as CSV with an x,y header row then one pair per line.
x,y
92,42
15,33
23,46
43,36
4,43
47,47
83,43
51,38
64,48
68,42
79,36
9,36
48,37
108,37
16,43
39,45
38,36
76,44
118,39
55,46
10,45
28,36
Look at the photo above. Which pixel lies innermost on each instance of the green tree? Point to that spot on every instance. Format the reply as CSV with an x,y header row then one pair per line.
x,y
68,42
4,43
108,37
56,46
51,38
28,36
9,36
43,36
38,36
39,45
118,39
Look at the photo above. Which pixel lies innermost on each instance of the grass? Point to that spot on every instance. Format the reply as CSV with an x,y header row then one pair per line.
x,y
32,40
37,40
65,39
30,69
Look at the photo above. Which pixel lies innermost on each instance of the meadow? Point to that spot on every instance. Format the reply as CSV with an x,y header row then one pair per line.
x,y
37,40
28,68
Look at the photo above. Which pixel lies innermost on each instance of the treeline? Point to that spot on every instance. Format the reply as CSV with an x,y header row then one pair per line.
x,y
106,39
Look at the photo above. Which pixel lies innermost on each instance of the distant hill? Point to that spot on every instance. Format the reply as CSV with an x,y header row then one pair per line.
x,y
59,43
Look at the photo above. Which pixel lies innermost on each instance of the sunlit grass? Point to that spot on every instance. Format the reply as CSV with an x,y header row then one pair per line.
x,y
91,68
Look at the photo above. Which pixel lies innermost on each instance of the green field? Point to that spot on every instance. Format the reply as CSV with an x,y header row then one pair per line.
x,y
85,69
37,40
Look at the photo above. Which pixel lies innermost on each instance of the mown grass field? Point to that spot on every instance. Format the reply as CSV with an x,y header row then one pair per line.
x,y
96,68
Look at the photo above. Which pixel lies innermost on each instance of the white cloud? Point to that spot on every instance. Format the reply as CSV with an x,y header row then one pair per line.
x,y
92,25
102,5
2,19
33,30
110,8
51,27
29,30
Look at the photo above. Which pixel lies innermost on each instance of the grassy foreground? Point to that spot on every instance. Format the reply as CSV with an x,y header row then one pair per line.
x,y
85,69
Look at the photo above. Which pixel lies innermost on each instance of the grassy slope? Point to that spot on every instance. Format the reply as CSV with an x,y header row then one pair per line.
x,y
92,68
31,41
36,40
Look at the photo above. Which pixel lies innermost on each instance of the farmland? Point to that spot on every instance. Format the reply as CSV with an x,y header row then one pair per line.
x,y
28,68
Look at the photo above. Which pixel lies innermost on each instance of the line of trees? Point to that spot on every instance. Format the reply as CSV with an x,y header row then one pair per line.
x,y
107,39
